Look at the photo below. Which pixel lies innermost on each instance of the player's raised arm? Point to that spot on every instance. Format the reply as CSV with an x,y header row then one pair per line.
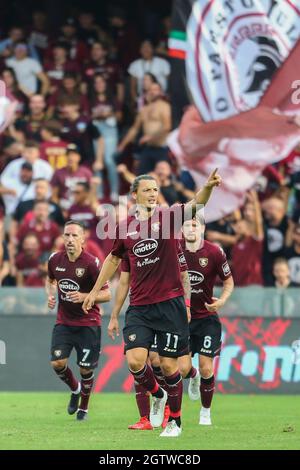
x,y
108,269
203,195
121,294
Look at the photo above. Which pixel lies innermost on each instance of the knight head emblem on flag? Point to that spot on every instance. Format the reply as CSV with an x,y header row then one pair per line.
x,y
238,62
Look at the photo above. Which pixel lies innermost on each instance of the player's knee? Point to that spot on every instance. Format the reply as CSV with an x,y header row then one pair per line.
x,y
154,359
59,363
85,371
184,370
206,372
135,363
168,367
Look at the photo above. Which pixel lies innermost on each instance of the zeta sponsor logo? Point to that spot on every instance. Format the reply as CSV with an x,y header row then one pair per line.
x,y
145,247
60,269
68,285
195,278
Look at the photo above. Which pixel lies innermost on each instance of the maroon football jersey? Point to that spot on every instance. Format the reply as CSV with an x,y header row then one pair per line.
x,y
79,275
204,266
153,259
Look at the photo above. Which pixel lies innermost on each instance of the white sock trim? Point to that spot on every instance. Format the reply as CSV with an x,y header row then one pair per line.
x,y
78,389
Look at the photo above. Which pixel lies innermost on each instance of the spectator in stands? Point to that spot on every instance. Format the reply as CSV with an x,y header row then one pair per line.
x,y
122,33
81,131
148,80
162,48
15,35
30,125
89,31
111,71
281,273
65,179
28,71
222,231
59,66
292,255
42,192
42,226
85,207
31,265
78,50
69,88
16,188
155,121
275,230
13,91
246,254
39,35
105,113
11,149
159,67
31,154
53,148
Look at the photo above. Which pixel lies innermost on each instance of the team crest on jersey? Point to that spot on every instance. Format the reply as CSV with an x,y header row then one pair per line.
x,y
203,262
57,353
155,226
132,338
80,272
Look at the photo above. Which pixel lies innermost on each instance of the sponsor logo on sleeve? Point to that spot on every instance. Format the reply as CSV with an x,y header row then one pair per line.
x,y
226,268
182,260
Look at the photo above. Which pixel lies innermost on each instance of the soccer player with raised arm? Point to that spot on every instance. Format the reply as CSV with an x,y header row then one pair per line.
x,y
72,273
157,307
205,262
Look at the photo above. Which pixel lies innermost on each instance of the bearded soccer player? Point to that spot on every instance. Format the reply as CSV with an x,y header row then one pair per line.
x,y
157,307
73,272
141,394
205,262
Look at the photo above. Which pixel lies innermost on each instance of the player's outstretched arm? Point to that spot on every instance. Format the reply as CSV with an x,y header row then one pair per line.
x,y
203,195
121,294
228,286
108,269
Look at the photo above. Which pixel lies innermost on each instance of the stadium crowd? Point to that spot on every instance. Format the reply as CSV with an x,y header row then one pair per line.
x,y
91,113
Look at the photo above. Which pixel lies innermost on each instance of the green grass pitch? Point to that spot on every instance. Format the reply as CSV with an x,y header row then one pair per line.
x,y
40,421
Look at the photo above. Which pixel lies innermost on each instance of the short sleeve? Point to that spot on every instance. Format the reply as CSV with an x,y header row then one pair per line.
x,y
132,69
94,270
181,258
36,67
222,266
50,267
118,248
125,265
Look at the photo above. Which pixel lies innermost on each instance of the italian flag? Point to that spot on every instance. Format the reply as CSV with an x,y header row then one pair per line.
x,y
177,44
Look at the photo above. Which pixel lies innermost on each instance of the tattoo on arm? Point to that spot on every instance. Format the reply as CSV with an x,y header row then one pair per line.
x,y
186,284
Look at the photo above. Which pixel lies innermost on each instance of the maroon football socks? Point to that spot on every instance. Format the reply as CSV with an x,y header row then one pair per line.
x,y
66,375
142,400
87,381
174,388
146,378
207,388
